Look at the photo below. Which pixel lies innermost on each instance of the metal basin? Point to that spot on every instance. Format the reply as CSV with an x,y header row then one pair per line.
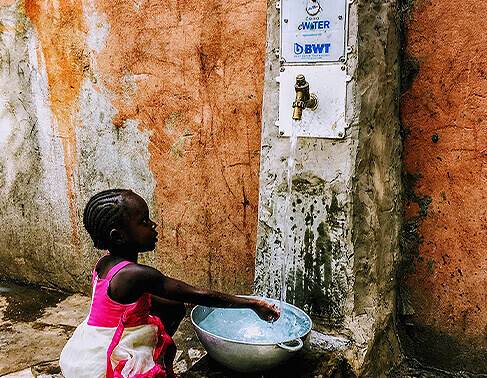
x,y
249,356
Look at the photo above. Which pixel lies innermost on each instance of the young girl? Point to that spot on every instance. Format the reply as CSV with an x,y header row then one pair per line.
x,y
135,309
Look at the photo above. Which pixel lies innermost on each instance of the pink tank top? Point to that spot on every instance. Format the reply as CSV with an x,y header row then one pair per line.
x,y
105,312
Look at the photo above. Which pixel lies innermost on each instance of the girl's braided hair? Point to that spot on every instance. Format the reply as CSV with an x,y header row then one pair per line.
x,y
104,212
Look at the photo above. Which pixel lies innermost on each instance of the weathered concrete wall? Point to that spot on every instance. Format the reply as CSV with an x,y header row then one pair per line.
x,y
377,207
444,314
346,209
160,97
59,147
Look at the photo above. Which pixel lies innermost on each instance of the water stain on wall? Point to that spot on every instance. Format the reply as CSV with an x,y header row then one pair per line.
x,y
60,29
316,279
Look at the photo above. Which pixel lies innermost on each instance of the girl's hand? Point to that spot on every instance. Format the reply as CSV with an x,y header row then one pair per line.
x,y
266,311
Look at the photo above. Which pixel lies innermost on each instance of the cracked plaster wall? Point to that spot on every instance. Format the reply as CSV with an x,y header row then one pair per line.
x,y
149,95
443,313
50,165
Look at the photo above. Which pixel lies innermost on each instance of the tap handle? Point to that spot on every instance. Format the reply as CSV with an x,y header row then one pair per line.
x,y
301,83
302,86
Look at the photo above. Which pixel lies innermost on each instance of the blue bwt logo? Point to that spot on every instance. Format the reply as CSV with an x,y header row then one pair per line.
x,y
312,48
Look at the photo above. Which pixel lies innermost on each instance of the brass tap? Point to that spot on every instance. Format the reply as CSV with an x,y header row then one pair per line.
x,y
303,98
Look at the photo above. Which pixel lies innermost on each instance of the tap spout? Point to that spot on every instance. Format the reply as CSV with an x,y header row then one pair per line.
x,y
303,98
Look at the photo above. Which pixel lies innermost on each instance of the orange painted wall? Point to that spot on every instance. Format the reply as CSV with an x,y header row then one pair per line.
x,y
199,70
201,67
445,117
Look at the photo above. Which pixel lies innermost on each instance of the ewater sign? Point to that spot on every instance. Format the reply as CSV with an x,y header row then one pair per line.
x,y
313,31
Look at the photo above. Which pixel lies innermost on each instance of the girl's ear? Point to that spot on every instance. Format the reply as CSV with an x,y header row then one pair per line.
x,y
116,236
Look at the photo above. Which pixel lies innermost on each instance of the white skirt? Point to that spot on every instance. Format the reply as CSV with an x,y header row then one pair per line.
x,y
85,353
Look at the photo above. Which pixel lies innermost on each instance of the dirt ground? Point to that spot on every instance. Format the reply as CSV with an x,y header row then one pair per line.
x,y
35,324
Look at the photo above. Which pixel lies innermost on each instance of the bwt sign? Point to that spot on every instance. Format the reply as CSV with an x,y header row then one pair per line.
x,y
312,48
313,31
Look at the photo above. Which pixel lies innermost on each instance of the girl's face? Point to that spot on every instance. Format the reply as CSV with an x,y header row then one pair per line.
x,y
139,233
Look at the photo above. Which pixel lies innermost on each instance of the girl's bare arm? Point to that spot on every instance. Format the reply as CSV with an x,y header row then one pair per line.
x,y
137,279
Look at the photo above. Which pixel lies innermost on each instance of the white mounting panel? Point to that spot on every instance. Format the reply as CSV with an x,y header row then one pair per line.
x,y
329,84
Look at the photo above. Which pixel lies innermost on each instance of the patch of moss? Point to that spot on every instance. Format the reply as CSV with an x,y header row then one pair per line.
x,y
409,183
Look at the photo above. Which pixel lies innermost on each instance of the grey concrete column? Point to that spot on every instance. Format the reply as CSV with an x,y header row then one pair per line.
x,y
345,205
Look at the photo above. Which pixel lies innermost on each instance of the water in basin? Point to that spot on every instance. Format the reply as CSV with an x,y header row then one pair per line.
x,y
243,325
